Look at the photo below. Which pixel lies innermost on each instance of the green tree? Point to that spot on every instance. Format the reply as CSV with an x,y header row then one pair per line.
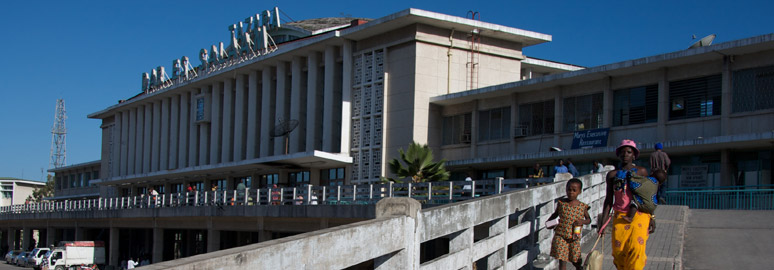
x,y
46,191
419,166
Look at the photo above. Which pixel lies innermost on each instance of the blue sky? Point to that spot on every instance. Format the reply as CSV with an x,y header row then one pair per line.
x,y
91,53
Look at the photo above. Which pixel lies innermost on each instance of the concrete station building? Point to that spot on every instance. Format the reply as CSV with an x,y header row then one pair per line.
x,y
332,101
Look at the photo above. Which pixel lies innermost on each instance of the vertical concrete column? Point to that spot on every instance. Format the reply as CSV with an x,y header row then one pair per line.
x,y
146,138
252,116
726,95
312,110
12,239
607,104
346,96
726,168
204,131
50,236
164,145
498,259
138,152
124,143
462,241
267,122
182,156
663,105
213,240
408,257
296,140
473,128
281,104
328,98
558,115
131,142
215,125
156,137
158,245
113,249
514,121
228,120
116,167
193,132
174,124
26,238
239,118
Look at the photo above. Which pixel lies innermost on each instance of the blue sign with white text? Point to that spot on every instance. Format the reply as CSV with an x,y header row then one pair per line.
x,y
590,138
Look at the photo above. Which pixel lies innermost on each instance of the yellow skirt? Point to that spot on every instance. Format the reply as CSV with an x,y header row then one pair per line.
x,y
630,240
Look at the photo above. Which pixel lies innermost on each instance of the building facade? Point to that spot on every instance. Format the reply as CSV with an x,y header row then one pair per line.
x,y
328,108
16,191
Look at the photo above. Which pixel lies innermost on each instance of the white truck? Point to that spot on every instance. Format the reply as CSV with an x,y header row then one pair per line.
x,y
71,255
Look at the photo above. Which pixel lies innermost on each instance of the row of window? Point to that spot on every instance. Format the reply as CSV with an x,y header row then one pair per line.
x,y
76,180
753,89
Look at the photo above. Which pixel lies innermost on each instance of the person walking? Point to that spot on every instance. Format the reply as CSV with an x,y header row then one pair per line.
x,y
659,160
629,238
571,168
560,168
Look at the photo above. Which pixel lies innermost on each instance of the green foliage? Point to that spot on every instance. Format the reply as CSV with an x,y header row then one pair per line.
x,y
417,165
46,191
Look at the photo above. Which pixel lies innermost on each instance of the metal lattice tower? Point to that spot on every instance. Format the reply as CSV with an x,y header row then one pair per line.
x,y
58,133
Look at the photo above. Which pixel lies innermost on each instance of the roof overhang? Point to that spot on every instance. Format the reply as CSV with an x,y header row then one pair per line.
x,y
76,166
417,16
295,161
684,57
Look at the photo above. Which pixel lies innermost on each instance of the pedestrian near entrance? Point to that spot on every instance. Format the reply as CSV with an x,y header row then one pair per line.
x,y
572,214
629,238
560,168
659,160
571,168
131,263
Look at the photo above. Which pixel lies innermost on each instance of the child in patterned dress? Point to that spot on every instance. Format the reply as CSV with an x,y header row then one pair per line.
x,y
565,246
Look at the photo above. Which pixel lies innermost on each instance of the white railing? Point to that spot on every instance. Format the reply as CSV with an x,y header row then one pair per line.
x,y
427,193
505,230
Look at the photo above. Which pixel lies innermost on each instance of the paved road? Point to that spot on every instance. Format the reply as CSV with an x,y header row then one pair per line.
x,y
5,266
664,246
729,239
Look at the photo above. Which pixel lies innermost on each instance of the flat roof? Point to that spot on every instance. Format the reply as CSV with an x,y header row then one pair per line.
x,y
75,166
688,56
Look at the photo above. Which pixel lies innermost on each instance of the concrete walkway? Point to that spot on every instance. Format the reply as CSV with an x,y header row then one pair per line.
x,y
665,246
729,239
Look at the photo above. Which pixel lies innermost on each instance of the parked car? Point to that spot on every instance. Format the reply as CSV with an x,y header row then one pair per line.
x,y
35,257
11,255
21,260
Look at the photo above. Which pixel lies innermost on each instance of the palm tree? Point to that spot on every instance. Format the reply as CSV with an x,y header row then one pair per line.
x,y
419,165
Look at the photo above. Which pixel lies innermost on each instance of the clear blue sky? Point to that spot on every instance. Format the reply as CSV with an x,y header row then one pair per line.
x,y
91,53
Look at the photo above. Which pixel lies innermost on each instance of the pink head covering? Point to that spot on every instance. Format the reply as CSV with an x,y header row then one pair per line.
x,y
628,143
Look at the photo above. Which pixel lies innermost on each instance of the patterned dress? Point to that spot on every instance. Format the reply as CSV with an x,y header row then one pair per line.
x,y
563,247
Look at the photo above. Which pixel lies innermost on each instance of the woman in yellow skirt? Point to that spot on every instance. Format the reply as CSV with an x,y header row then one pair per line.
x,y
629,238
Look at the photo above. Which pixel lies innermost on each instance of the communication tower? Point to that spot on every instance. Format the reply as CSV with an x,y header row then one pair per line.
x,y
58,133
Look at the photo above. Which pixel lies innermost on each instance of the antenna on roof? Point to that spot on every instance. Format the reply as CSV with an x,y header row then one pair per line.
x,y
705,41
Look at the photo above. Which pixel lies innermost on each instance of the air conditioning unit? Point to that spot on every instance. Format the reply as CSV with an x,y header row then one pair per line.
x,y
520,131
465,138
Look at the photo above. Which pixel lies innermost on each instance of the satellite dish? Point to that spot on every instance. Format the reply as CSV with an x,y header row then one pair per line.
x,y
555,149
283,128
705,41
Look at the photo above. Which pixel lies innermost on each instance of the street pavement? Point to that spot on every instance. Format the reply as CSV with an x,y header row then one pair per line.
x,y
729,239
664,246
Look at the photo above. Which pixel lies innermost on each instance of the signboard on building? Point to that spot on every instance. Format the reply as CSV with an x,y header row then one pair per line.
x,y
590,138
693,176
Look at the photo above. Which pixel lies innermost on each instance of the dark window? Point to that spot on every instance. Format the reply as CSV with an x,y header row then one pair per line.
x,y
178,188
698,97
635,105
583,112
492,174
267,180
456,129
332,177
536,118
753,89
218,185
494,124
298,179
